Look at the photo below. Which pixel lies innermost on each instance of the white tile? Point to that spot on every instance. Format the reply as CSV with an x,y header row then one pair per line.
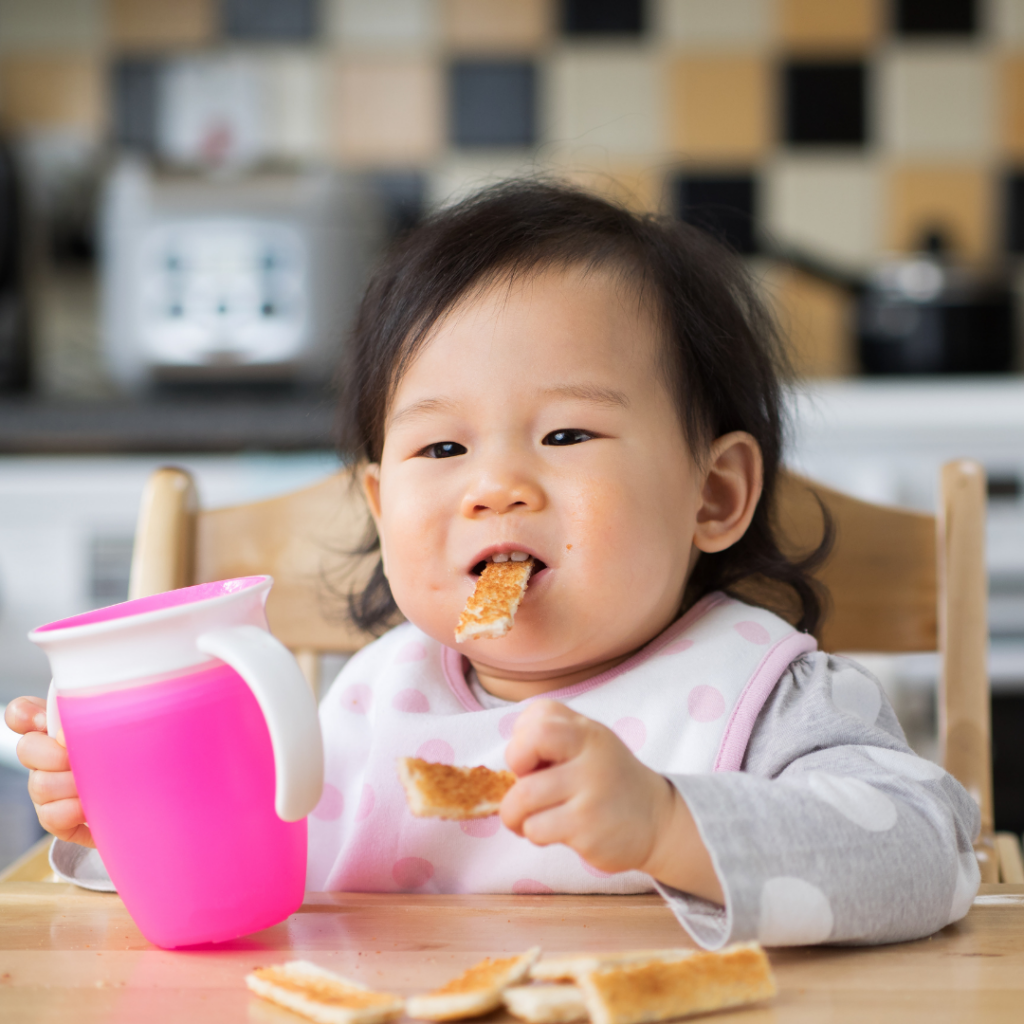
x,y
296,96
826,205
608,97
1005,20
43,23
460,177
714,22
375,22
936,101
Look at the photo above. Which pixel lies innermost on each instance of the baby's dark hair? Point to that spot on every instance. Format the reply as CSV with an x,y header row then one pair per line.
x,y
723,358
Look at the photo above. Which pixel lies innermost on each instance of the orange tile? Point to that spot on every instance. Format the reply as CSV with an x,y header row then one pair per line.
x,y
51,89
151,24
848,25
497,25
958,200
1011,105
389,111
816,320
641,189
721,107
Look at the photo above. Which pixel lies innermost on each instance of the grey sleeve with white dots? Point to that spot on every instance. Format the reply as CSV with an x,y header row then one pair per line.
x,y
834,831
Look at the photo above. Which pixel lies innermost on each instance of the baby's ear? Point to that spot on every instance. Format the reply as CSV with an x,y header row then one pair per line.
x,y
369,477
731,491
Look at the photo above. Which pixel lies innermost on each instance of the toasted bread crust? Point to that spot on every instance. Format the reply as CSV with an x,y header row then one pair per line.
x,y
664,990
569,966
452,792
323,996
474,992
545,1004
491,607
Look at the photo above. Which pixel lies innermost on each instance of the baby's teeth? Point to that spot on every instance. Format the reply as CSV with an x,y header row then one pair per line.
x,y
502,557
519,556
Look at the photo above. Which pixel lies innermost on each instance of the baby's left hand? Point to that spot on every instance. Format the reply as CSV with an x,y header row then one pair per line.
x,y
591,792
580,785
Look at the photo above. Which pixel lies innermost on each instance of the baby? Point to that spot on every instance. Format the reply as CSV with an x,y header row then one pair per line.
x,y
536,372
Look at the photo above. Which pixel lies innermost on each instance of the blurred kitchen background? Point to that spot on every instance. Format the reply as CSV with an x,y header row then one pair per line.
x,y
192,192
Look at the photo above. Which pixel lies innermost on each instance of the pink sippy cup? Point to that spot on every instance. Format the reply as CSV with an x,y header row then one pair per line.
x,y
195,745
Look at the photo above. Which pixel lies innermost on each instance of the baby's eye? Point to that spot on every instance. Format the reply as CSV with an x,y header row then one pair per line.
x,y
442,450
571,436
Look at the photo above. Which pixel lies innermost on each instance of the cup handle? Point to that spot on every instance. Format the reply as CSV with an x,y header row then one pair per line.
x,y
288,706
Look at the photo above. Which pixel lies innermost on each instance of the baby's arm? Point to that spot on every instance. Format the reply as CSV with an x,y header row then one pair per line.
x,y
834,831
50,783
597,798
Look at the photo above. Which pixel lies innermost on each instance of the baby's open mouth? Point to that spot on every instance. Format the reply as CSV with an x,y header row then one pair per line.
x,y
511,556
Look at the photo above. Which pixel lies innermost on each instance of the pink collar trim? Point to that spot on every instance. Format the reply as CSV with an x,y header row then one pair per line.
x,y
455,671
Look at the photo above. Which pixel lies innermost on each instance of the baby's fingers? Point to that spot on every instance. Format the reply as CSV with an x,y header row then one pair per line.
x,y
65,820
26,714
534,793
38,751
545,733
45,787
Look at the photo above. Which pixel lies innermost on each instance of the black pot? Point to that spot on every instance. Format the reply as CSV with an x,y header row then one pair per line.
x,y
923,315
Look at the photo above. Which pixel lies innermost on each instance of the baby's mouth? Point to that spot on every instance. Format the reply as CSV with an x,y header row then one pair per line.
x,y
506,556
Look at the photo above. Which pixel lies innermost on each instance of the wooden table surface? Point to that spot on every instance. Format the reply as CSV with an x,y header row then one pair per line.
x,y
71,955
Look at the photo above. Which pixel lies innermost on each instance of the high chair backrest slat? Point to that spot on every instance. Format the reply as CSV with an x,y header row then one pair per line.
x,y
899,581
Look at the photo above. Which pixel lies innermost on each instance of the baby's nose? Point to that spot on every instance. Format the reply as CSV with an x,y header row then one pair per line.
x,y
498,493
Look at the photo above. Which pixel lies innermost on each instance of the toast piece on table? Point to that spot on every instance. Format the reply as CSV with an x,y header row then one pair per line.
x,y
323,996
492,605
568,967
666,989
448,791
546,1004
475,992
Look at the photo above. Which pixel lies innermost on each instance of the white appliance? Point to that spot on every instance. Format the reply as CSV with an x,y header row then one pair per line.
x,y
231,278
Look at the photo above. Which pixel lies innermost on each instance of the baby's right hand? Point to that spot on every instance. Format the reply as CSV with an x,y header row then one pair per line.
x,y
50,783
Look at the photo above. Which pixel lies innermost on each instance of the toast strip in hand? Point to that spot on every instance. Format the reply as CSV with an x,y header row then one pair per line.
x,y
451,792
323,996
568,967
476,992
492,605
664,990
546,1004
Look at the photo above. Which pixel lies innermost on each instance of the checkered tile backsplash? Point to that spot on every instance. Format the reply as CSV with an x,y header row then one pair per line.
x,y
850,128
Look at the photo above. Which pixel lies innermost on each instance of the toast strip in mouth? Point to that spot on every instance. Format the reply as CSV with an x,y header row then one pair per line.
x,y
476,992
664,990
546,1004
492,605
451,792
323,996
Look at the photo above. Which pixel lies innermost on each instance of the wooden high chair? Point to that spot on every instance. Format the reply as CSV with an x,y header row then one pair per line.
x,y
899,580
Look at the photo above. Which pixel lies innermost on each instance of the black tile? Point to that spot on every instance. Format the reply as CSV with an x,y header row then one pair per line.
x,y
492,103
935,17
1014,198
403,199
603,17
723,204
135,84
824,103
269,19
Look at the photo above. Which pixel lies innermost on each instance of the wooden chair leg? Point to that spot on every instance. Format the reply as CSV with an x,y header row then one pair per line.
x,y
964,703
309,662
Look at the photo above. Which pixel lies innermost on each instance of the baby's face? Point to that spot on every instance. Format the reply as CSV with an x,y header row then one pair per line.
x,y
536,419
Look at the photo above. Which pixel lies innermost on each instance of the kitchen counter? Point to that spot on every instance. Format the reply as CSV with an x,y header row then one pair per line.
x,y
235,421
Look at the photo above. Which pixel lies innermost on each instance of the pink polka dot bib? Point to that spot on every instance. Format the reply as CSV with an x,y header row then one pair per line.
x,y
684,704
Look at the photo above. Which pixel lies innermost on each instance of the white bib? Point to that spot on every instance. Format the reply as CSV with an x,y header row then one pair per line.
x,y
684,704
